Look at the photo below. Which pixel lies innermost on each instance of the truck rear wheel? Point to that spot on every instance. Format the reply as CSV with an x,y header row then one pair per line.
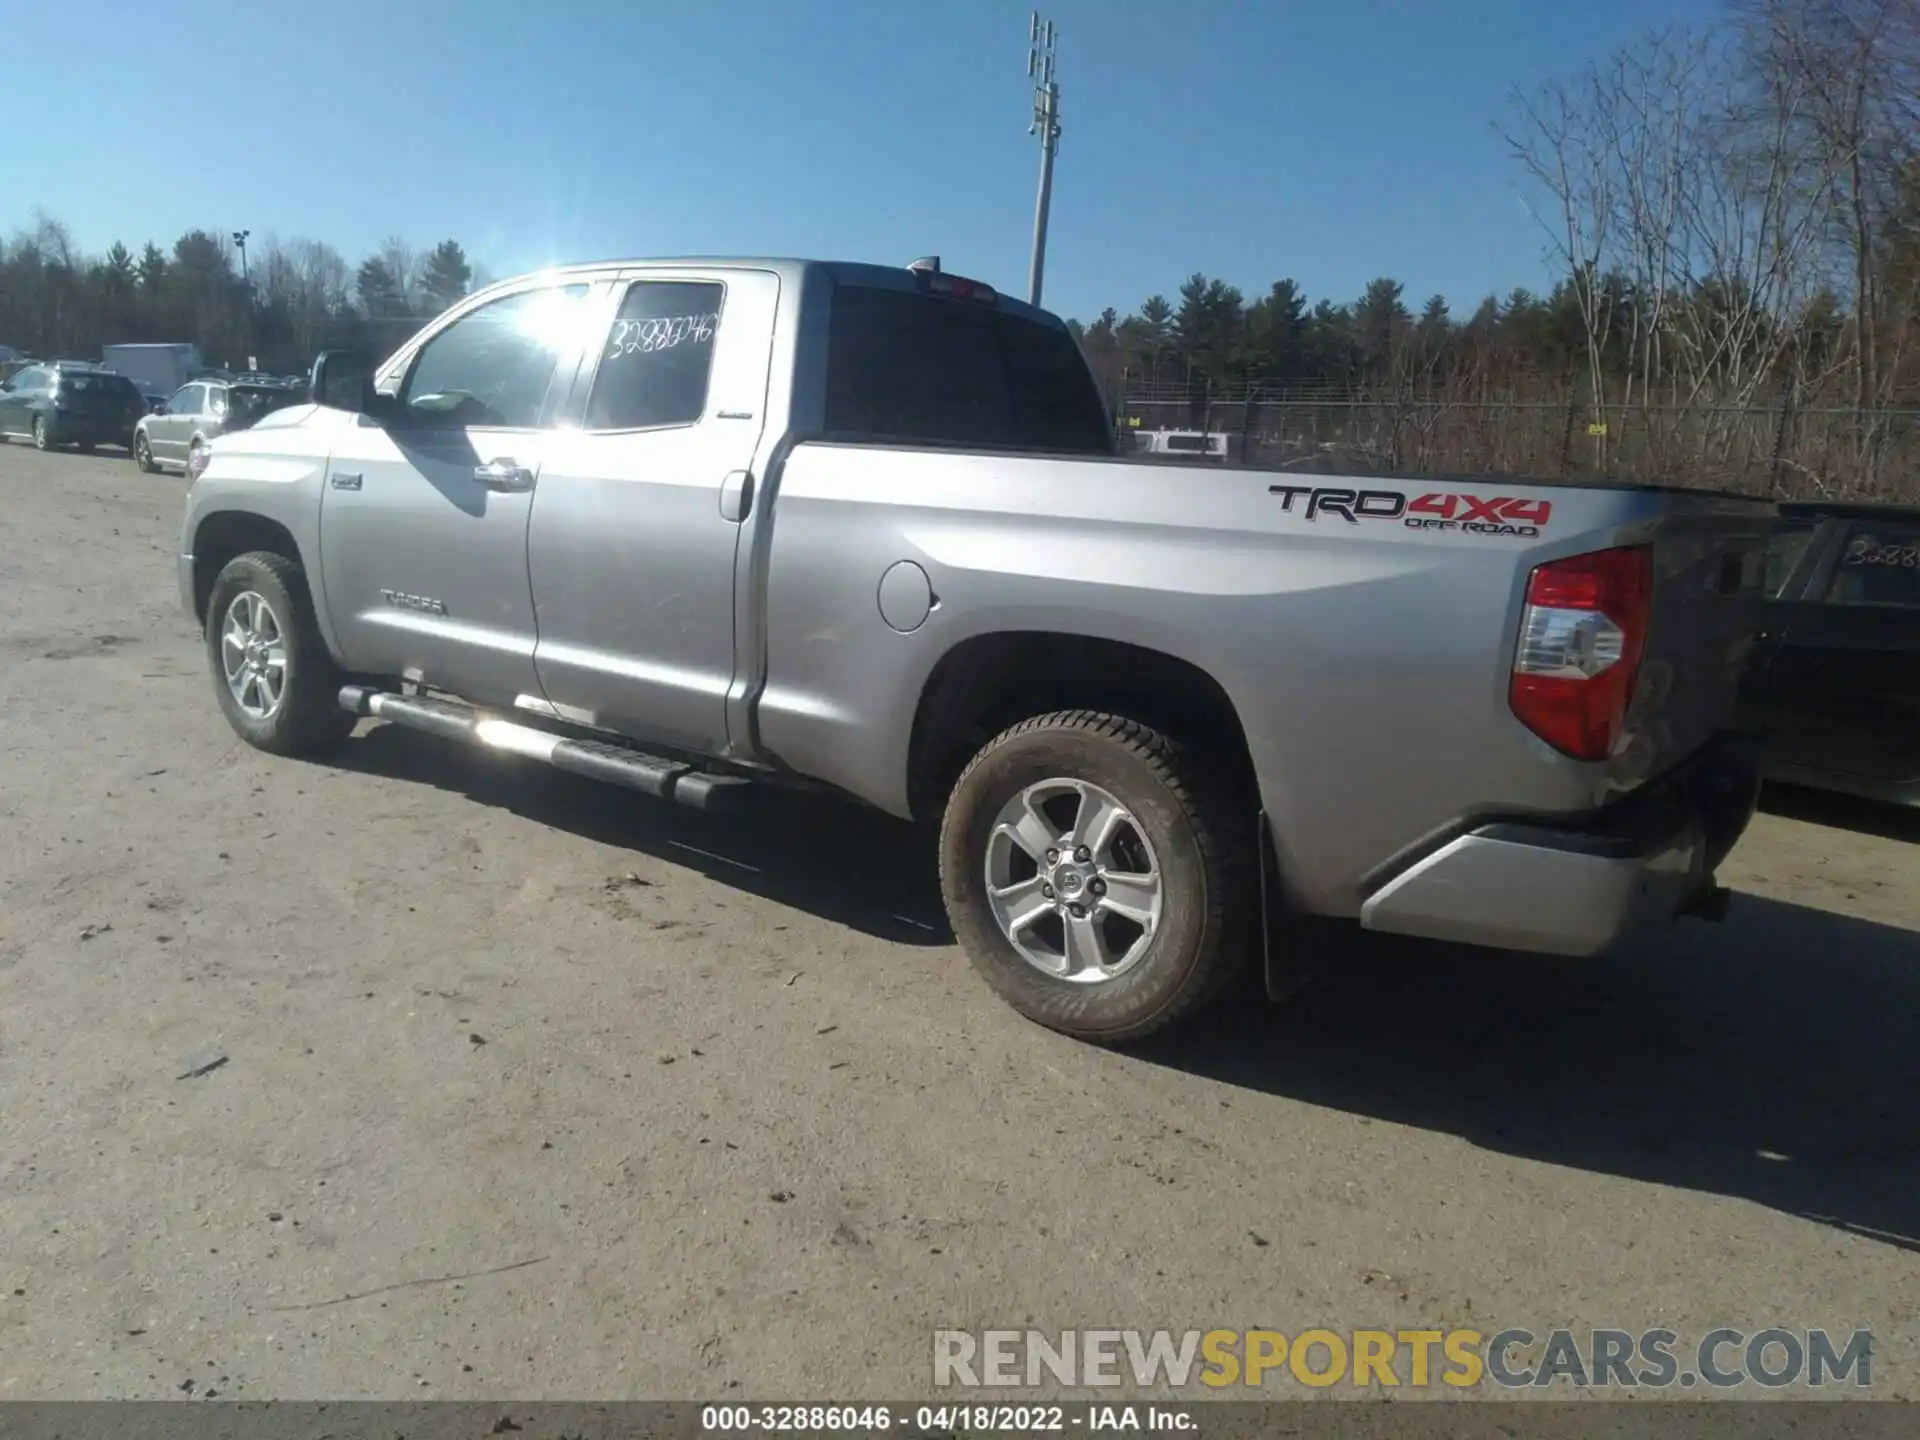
x,y
1096,874
274,678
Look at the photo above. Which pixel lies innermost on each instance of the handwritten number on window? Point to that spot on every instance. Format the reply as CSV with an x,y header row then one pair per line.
x,y
648,337
1866,552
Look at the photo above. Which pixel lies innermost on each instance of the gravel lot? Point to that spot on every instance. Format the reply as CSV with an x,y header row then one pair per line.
x,y
534,1089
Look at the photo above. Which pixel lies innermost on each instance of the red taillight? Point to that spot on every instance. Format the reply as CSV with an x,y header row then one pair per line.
x,y
1581,638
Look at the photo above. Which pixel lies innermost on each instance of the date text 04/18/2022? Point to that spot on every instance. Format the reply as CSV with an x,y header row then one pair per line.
x,y
946,1419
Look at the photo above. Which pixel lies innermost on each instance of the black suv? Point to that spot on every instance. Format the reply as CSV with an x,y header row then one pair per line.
x,y
61,403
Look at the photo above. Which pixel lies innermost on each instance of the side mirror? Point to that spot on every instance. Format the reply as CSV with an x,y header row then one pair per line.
x,y
343,380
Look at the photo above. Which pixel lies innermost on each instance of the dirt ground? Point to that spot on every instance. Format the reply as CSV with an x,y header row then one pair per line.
x,y
529,1088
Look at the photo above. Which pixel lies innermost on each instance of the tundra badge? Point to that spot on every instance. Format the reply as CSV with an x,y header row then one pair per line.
x,y
413,602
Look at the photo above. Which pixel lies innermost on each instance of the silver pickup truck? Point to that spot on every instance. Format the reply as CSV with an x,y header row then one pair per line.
x,y
695,526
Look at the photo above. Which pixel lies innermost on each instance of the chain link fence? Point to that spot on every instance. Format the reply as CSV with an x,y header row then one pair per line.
x,y
1780,450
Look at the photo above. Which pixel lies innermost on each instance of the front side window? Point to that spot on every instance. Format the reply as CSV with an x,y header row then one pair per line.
x,y
1881,566
28,381
493,365
658,357
186,400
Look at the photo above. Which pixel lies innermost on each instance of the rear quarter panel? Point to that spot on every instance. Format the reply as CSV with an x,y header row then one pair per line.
x,y
1367,660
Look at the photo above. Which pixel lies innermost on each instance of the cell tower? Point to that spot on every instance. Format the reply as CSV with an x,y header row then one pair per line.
x,y
1046,124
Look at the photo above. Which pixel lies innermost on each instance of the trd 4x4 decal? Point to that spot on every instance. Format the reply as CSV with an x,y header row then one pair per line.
x,y
1439,510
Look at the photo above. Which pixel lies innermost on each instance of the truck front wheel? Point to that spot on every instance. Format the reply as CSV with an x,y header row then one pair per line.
x,y
276,682
1096,874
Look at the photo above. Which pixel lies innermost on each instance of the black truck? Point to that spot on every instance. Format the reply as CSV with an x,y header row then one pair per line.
x,y
1837,690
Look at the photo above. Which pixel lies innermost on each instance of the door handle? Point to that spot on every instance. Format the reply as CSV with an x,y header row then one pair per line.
x,y
504,475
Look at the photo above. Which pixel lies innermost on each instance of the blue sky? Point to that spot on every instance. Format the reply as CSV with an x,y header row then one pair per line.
x,y
1329,140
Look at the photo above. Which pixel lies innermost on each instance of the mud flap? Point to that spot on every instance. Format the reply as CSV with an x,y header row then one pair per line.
x,y
1286,945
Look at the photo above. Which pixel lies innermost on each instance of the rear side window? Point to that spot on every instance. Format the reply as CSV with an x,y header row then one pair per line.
x,y
249,402
82,385
925,369
658,357
1881,566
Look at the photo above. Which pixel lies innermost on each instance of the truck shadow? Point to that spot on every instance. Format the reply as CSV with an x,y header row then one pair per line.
x,y
834,859
1769,1058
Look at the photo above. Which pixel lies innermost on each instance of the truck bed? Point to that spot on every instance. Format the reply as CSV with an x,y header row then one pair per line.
x,y
1373,649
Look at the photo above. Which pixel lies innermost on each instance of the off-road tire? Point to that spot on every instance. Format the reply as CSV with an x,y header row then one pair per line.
x,y
309,719
1206,853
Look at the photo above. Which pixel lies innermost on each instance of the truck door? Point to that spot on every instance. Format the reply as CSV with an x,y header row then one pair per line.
x,y
631,548
423,518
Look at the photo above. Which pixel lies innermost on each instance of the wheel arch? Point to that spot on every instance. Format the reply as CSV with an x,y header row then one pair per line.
x,y
224,534
986,682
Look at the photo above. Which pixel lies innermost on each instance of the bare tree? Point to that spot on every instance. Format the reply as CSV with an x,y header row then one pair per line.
x,y
403,262
1646,123
1688,214
1561,142
1843,78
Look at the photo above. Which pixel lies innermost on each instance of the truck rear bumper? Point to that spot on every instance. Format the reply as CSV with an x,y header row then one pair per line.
x,y
1576,886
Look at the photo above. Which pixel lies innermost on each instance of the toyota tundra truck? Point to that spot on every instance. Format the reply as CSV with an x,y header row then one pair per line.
x,y
698,526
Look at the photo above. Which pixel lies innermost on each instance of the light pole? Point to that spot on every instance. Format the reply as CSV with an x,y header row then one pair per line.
x,y
246,283
1046,124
